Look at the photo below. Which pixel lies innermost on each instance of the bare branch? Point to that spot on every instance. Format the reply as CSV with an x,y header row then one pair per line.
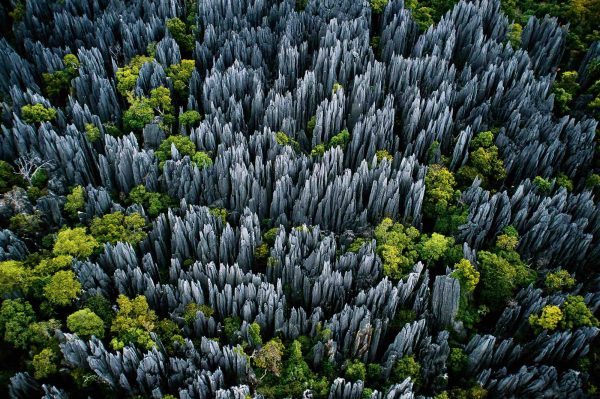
x,y
28,165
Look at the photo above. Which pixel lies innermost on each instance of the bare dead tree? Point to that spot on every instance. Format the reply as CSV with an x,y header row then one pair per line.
x,y
28,165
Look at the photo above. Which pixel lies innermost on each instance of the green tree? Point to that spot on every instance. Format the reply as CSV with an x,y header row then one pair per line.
x,y
184,146
75,242
86,323
576,313
190,118
8,177
435,247
100,306
44,363
254,334
500,278
26,224
92,132
466,274
62,288
484,162
548,319
155,203
543,185
178,29
378,6
558,281
133,323
37,113
13,277
457,361
181,74
75,201
397,247
269,356
15,317
202,159
139,114
356,370
404,368
57,83
439,191
127,76
296,374
115,227
514,35
49,266
340,139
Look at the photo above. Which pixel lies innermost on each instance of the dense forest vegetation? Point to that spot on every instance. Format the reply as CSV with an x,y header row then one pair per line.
x,y
299,198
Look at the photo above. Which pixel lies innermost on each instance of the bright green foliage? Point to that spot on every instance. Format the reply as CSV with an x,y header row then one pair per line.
x,y
220,213
115,227
296,373
86,323
564,89
549,318
75,201
49,266
355,371
340,139
544,185
26,224
563,181
269,357
39,178
482,140
404,368
44,363
500,278
190,118
154,203
318,150
270,236
13,277
92,132
433,248
439,191
184,146
8,177
178,29
423,16
397,247
127,76
262,251
202,159
466,274
139,114
133,323
507,242
576,313
457,361
15,317
514,35
62,288
180,74
558,281
75,242
254,334
37,113
378,6
384,154
593,181
142,110
356,245
283,139
57,83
